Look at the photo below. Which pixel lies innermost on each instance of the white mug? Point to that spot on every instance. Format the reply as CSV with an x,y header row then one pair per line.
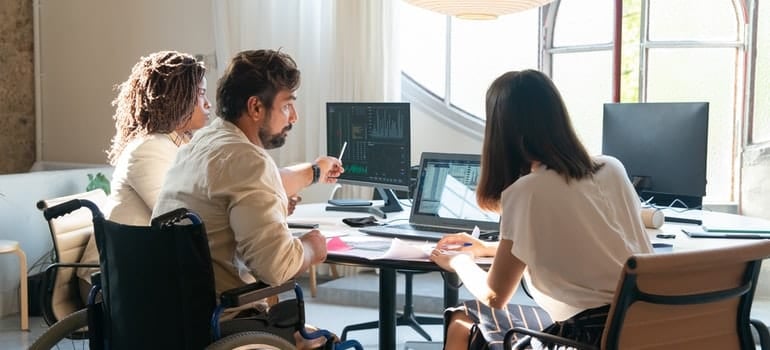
x,y
652,218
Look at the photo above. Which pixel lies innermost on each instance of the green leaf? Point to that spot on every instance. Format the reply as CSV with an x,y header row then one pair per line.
x,y
98,181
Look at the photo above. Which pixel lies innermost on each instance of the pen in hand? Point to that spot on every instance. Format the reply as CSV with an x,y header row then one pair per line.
x,y
457,246
342,151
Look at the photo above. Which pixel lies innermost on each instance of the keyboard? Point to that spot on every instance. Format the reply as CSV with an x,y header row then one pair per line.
x,y
420,228
418,232
404,233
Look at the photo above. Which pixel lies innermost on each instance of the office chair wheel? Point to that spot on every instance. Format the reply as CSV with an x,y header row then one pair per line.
x,y
60,331
251,340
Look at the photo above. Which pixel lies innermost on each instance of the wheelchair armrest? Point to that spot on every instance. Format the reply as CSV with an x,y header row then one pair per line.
x,y
50,270
544,336
252,292
73,265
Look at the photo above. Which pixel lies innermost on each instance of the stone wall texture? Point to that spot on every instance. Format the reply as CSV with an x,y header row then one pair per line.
x,y
17,88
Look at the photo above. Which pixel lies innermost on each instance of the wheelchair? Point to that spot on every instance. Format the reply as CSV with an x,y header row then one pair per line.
x,y
156,290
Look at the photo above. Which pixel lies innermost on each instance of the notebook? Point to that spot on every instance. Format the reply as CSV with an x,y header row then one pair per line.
x,y
444,201
749,233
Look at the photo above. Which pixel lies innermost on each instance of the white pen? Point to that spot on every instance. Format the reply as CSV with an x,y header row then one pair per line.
x,y
342,151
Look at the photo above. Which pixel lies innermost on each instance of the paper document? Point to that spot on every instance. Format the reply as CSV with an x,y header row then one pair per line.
x,y
402,250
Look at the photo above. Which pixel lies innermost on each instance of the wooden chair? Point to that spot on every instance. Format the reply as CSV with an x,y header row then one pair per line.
x,y
7,247
698,299
70,234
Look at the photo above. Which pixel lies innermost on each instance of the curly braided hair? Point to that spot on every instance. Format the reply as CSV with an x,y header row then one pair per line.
x,y
158,97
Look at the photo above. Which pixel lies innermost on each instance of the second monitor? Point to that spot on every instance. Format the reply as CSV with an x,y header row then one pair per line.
x,y
377,150
663,147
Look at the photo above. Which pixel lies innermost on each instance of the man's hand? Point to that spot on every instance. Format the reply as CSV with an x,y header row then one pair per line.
x,y
293,200
315,247
331,168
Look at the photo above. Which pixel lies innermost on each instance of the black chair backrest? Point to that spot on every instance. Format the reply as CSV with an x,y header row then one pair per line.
x,y
158,285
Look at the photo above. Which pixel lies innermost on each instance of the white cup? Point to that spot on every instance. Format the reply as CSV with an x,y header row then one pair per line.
x,y
652,218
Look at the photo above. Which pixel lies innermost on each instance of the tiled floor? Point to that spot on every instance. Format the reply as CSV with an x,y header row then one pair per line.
x,y
339,303
333,317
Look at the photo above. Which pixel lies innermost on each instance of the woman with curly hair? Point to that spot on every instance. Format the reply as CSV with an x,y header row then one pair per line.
x,y
157,108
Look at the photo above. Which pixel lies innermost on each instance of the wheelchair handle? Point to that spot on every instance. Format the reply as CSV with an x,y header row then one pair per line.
x,y
70,206
175,216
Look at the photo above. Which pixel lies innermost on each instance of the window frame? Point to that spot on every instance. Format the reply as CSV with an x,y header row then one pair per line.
x,y
746,13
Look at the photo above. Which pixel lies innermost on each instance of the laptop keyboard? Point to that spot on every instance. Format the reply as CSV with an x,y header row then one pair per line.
x,y
421,228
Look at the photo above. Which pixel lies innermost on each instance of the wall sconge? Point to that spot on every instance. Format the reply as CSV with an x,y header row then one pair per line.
x,y
477,9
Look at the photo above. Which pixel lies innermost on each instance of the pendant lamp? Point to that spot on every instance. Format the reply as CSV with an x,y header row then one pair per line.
x,y
477,9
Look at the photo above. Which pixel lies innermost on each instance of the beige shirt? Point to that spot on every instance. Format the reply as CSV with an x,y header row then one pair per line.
x,y
136,182
574,237
236,188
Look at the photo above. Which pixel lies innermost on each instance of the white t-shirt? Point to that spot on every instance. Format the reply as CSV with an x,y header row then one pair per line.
x,y
574,237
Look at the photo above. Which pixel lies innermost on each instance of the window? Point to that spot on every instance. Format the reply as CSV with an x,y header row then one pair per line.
x,y
666,56
581,63
423,47
489,48
483,50
760,129
698,57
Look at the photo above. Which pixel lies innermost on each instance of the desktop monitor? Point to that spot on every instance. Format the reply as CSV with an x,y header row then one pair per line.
x,y
663,147
377,152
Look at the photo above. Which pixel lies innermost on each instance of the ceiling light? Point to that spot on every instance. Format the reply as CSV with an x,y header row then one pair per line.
x,y
477,9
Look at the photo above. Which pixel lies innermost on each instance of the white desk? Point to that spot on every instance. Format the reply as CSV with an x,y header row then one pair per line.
x,y
331,223
761,306
715,219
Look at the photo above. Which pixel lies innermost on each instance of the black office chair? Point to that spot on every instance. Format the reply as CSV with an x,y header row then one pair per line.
x,y
407,317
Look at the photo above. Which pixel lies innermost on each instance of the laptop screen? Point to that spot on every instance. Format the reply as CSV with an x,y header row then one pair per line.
x,y
446,192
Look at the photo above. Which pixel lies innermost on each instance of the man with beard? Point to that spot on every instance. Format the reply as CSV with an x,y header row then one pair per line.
x,y
226,176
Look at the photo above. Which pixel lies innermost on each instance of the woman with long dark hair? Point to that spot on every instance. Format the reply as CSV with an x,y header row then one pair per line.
x,y
568,223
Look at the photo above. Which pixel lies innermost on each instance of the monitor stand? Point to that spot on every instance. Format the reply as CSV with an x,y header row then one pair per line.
x,y
391,205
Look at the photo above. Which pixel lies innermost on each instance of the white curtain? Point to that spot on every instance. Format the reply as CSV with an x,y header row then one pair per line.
x,y
346,51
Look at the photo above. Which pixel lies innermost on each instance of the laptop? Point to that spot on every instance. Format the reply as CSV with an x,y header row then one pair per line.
x,y
444,201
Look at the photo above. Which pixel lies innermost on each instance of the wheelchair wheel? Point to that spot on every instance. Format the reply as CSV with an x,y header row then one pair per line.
x,y
61,329
251,340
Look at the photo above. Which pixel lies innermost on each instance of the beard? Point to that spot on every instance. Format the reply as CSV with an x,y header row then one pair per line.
x,y
270,141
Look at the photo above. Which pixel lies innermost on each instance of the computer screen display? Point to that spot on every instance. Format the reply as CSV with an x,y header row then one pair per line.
x,y
378,138
447,188
663,147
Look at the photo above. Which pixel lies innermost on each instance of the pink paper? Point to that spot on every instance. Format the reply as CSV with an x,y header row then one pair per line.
x,y
336,245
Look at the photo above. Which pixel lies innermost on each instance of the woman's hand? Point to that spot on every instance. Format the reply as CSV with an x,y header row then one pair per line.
x,y
445,258
464,242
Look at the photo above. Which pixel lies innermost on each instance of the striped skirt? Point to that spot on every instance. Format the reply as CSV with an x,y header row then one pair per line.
x,y
490,325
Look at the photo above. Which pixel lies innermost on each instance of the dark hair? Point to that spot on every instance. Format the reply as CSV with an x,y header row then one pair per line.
x,y
158,97
526,121
260,73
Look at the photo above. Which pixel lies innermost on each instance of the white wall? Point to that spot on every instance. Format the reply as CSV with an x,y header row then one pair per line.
x,y
89,46
21,221
755,182
431,134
